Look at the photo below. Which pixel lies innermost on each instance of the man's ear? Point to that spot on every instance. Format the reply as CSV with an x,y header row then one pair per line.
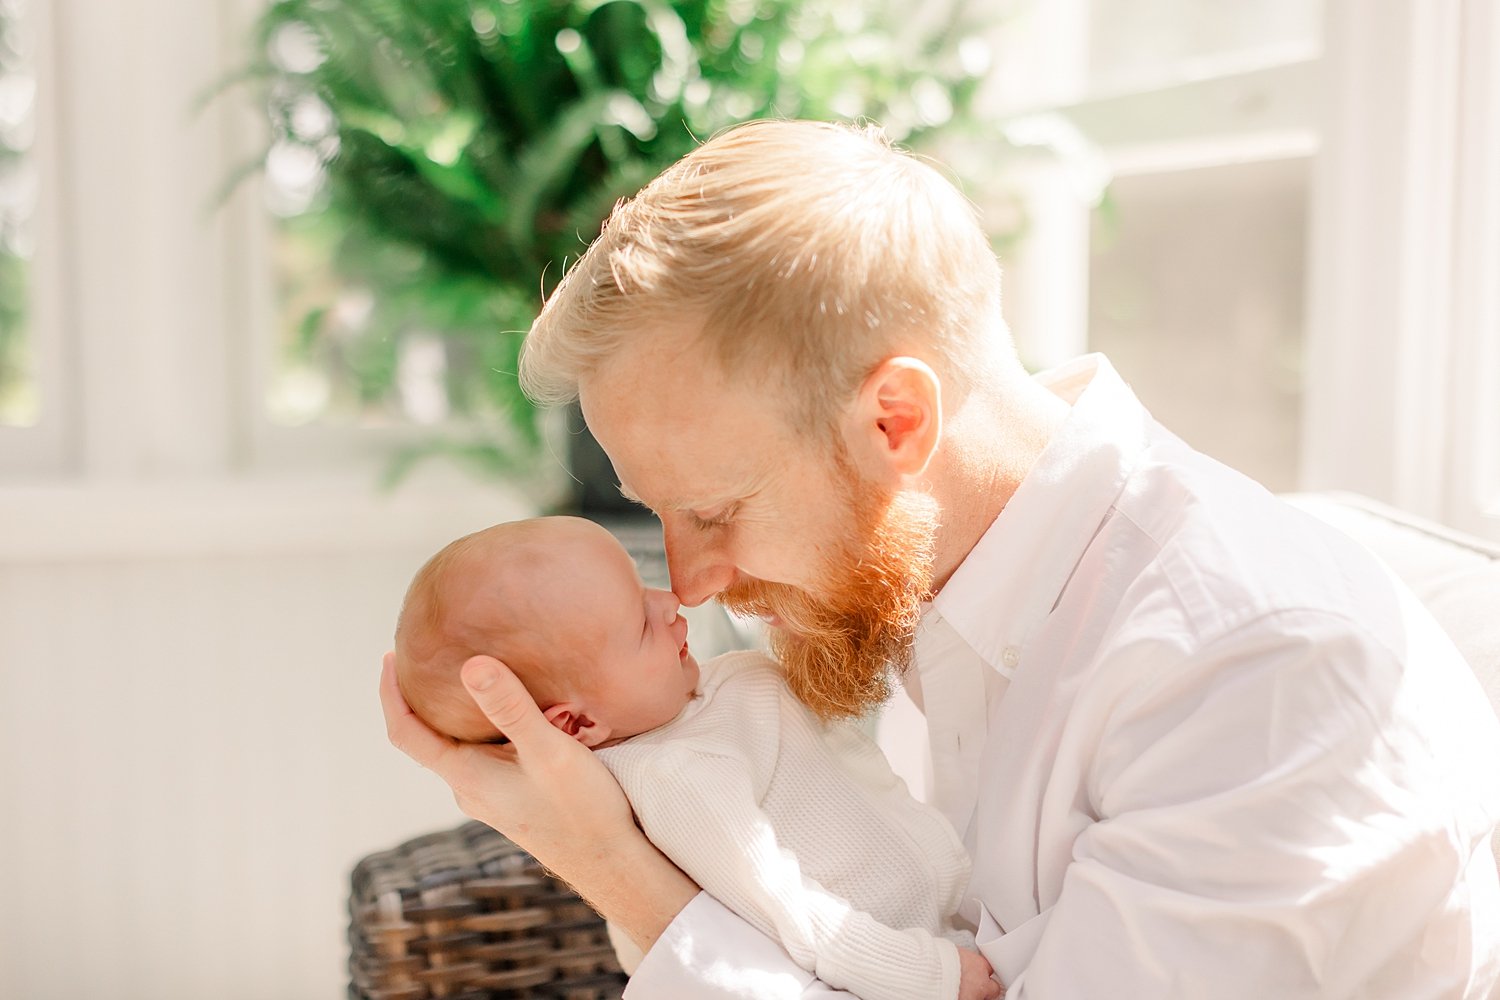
x,y
571,719
897,420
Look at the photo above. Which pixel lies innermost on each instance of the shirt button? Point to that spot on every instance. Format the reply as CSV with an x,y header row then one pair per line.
x,y
1011,656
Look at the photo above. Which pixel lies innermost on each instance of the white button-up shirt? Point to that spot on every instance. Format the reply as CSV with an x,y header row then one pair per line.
x,y
1198,745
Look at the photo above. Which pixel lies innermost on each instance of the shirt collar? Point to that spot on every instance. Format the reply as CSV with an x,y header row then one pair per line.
x,y
1015,574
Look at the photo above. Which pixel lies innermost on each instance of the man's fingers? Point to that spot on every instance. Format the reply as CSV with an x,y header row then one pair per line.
x,y
504,700
406,732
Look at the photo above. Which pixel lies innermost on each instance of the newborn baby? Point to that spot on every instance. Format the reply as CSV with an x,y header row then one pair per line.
x,y
797,825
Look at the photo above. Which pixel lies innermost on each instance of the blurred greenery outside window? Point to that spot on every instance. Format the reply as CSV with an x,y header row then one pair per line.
x,y
18,183
434,165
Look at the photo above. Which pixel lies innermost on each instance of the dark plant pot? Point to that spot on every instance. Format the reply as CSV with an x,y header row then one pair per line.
x,y
596,488
596,496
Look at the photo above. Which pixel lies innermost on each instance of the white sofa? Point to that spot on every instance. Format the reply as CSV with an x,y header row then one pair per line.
x,y
1456,576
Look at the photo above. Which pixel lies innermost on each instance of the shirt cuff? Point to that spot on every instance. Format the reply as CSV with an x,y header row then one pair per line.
x,y
708,953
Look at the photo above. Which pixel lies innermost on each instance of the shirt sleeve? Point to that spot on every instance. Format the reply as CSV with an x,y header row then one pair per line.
x,y
700,810
708,953
1281,815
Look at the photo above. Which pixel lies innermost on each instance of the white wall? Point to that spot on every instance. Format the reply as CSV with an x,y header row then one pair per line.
x,y
192,755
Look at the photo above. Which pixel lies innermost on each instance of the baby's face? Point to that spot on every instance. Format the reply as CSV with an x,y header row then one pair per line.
x,y
636,671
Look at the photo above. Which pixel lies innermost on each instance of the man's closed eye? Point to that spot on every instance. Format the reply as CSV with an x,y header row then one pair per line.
x,y
706,522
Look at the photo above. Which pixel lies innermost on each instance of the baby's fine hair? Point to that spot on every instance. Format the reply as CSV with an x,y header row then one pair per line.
x,y
430,651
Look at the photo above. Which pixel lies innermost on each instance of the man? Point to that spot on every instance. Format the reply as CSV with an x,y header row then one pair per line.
x,y
1197,745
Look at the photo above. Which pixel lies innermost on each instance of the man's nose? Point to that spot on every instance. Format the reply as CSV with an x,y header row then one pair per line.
x,y
698,566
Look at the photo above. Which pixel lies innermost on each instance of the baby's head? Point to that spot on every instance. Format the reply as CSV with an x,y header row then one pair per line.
x,y
558,601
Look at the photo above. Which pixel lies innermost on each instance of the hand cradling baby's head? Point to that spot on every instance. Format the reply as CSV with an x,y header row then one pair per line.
x,y
559,602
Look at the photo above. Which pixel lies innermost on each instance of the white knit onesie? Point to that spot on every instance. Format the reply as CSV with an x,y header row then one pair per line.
x,y
801,829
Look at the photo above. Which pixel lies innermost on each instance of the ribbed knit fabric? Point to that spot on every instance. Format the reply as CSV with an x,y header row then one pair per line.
x,y
801,829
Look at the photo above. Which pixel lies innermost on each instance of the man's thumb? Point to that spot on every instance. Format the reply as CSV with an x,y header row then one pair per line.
x,y
502,697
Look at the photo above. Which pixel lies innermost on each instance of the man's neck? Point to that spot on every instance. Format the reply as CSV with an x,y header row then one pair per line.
x,y
989,445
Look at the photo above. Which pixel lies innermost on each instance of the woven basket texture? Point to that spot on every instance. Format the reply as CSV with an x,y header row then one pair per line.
x,y
467,915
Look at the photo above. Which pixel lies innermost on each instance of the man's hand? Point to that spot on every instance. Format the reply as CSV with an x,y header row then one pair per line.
x,y
975,977
547,792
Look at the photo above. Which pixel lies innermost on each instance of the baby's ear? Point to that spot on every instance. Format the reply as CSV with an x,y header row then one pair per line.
x,y
571,720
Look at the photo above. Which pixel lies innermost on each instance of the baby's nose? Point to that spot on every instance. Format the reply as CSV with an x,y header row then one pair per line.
x,y
670,606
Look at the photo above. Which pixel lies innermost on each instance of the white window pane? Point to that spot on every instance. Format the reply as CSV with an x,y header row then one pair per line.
x,y
1135,44
1196,294
19,403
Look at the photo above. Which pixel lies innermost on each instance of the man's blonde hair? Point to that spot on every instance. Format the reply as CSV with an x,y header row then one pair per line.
x,y
805,252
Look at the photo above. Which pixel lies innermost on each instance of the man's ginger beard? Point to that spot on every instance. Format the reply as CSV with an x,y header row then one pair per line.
x,y
839,648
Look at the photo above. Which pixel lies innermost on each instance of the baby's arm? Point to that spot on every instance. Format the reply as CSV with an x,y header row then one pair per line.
x,y
700,810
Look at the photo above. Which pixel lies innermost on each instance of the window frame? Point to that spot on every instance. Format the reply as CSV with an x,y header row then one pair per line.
x,y
152,335
1404,323
46,448
1474,458
1403,307
1253,110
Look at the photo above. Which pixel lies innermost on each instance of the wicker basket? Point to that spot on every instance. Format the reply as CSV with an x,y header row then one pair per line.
x,y
467,915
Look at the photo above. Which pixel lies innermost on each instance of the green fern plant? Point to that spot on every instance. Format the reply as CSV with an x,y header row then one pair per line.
x,y
15,373
466,150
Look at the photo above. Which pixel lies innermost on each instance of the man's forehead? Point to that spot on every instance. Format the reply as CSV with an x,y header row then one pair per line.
x,y
689,440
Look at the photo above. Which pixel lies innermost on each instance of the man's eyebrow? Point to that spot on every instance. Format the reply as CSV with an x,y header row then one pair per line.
x,y
715,501
691,504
